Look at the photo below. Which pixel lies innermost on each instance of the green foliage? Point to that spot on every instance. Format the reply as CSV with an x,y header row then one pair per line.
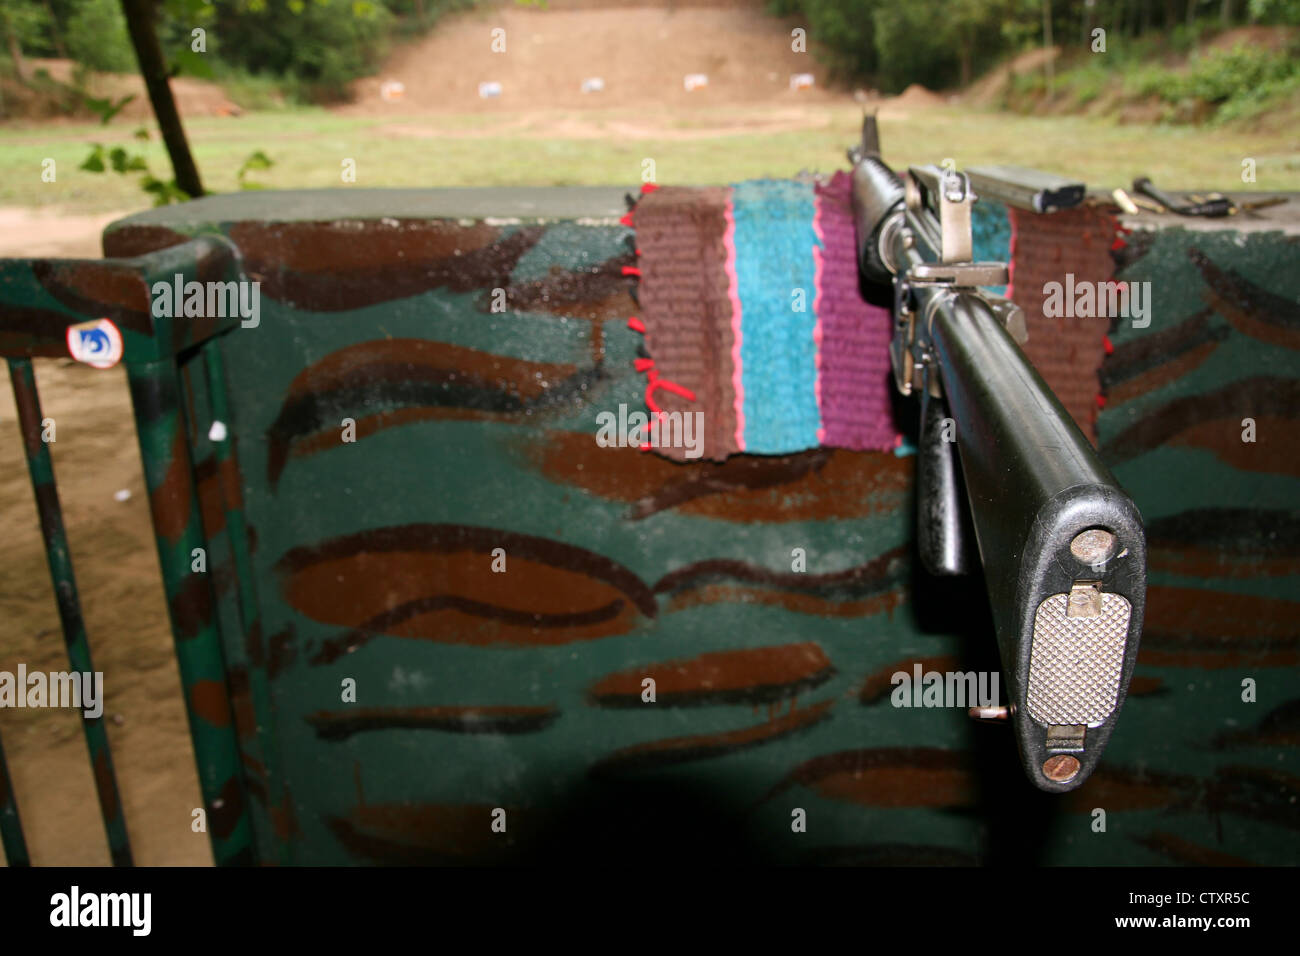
x,y
97,38
1275,11
1220,86
319,46
162,192
1089,83
933,42
247,91
105,109
26,21
120,161
125,163
1225,74
255,160
843,29
1251,102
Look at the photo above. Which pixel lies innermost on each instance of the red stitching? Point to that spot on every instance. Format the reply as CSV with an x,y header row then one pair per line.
x,y
636,325
631,271
673,387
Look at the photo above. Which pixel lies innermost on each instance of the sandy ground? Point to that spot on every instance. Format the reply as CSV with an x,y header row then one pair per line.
x,y
95,455
50,231
641,53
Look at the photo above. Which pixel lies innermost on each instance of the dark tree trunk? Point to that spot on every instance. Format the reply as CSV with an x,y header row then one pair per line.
x,y
1047,42
15,49
55,33
153,68
967,48
1171,15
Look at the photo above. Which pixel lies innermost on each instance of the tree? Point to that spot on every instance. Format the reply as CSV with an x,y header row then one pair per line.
x,y
153,70
22,23
97,37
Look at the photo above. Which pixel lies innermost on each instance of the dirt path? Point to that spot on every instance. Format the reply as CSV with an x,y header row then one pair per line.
x,y
50,231
642,53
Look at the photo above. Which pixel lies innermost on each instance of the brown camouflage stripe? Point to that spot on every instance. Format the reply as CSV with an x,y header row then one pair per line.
x,y
887,777
818,484
329,267
339,725
678,750
419,380
748,676
1252,310
1212,420
879,574
417,581
1185,852
113,290
1255,793
1280,727
1226,543
408,835
879,684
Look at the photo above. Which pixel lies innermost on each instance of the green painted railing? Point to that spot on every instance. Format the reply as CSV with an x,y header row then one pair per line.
x,y
41,299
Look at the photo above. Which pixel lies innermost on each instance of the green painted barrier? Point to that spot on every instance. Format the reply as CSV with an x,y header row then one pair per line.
x,y
432,600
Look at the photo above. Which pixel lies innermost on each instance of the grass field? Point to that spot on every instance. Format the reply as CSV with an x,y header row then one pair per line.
x,y
608,147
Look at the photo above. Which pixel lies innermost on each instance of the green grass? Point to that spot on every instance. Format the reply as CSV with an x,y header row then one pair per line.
x,y
308,146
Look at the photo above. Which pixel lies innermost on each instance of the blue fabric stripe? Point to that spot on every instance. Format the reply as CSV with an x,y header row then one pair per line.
x,y
990,236
774,257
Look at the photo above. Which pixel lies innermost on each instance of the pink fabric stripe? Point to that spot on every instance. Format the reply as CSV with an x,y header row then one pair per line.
x,y
853,370
818,264
733,292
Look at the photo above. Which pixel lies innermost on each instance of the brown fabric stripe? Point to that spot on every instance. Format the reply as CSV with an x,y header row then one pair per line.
x,y
685,306
1068,352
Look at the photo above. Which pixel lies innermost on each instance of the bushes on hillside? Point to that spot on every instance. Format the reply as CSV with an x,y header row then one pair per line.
x,y
943,42
318,46
934,42
97,37
314,47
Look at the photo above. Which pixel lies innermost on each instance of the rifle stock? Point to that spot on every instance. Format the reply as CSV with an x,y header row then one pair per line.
x,y
1062,546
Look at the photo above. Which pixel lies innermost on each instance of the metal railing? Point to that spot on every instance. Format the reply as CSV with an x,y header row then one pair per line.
x,y
40,300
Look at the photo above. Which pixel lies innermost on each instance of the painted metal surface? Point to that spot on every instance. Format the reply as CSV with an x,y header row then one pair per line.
x,y
41,470
471,357
174,504
42,298
11,827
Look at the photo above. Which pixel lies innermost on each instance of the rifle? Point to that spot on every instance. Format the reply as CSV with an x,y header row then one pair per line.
x,y
1062,546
